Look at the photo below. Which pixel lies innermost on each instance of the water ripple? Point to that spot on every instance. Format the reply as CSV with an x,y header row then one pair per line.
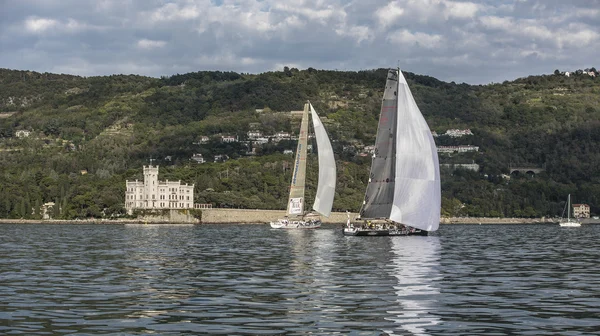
x,y
251,280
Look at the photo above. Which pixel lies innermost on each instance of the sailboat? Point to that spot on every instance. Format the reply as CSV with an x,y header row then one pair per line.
x,y
403,195
296,218
568,222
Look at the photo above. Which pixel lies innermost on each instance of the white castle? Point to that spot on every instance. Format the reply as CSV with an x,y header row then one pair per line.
x,y
155,194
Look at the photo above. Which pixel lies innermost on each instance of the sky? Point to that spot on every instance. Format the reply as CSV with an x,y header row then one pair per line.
x,y
476,42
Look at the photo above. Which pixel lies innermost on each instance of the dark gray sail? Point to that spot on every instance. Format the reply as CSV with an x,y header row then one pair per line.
x,y
380,190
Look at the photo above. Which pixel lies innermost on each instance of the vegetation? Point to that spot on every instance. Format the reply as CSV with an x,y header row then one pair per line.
x,y
89,135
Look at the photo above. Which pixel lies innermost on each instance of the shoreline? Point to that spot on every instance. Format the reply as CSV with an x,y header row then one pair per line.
x,y
443,221
85,221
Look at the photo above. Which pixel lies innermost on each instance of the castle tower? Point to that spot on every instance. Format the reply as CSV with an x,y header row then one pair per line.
x,y
150,187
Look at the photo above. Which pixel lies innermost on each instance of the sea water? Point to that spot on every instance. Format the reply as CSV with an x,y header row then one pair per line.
x,y
254,280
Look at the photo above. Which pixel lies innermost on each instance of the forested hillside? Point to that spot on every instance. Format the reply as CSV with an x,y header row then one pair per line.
x,y
75,140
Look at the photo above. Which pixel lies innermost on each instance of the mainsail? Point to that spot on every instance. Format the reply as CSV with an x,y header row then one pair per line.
x,y
327,173
295,205
404,184
380,190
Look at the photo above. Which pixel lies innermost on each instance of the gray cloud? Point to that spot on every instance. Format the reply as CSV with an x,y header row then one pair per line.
x,y
464,41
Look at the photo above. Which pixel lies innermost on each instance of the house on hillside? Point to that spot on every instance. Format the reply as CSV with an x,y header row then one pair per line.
x,y
221,158
254,134
458,149
581,211
457,133
281,135
369,149
47,209
22,133
260,141
229,138
467,166
198,158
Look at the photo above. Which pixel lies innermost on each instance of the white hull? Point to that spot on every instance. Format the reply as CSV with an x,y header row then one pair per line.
x,y
295,224
569,224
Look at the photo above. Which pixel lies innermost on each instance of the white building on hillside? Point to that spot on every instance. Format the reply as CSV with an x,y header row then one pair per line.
x,y
581,211
254,134
457,133
198,158
281,135
459,149
22,133
155,194
229,138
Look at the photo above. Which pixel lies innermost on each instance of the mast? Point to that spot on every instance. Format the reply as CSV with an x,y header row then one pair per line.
x,y
295,206
569,207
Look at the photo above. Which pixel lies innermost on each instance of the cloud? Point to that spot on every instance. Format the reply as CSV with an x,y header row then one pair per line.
x,y
418,39
495,22
150,44
358,33
462,10
174,12
516,31
389,13
425,11
39,25
471,40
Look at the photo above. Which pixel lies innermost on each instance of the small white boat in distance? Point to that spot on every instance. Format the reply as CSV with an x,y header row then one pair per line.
x,y
568,222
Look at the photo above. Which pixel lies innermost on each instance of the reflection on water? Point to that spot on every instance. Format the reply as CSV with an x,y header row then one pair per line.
x,y
250,279
415,264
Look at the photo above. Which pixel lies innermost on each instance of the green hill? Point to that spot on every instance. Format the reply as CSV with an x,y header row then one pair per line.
x,y
88,135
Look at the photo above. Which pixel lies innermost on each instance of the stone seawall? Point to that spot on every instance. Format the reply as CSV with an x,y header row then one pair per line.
x,y
494,220
250,216
172,216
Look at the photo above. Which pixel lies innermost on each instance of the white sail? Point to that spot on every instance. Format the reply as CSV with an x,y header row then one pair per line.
x,y
327,173
417,193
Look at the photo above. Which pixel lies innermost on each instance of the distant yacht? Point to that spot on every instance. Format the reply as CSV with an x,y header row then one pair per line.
x,y
296,218
568,222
